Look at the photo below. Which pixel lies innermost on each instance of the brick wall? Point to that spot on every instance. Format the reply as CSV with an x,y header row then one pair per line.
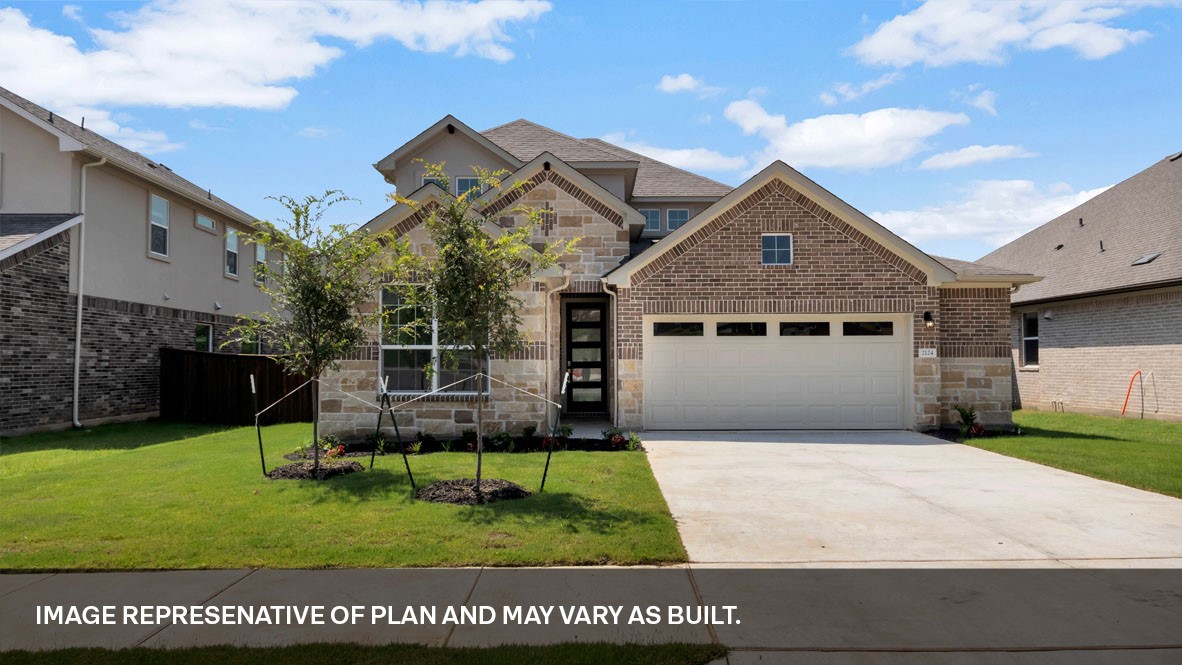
x,y
120,374
1089,349
974,355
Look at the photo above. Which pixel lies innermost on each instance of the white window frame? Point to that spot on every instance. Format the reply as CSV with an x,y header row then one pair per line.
x,y
460,185
424,179
791,249
209,344
436,354
669,218
152,197
213,223
642,211
260,257
1028,338
231,233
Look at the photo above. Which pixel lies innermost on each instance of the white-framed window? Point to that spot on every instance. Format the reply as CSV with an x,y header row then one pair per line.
x,y
203,340
260,262
407,352
158,225
231,252
677,218
437,180
206,223
776,249
1030,339
652,218
467,184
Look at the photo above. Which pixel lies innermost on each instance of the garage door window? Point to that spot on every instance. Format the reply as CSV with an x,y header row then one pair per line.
x,y
867,328
679,329
809,329
742,329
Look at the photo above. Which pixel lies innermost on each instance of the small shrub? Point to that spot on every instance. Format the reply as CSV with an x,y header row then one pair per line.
x,y
633,441
968,419
615,438
564,431
529,432
551,443
414,447
328,442
446,445
334,454
426,441
502,442
376,441
468,438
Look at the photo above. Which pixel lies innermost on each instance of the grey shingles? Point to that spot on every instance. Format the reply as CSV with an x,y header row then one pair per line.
x,y
1139,216
658,179
965,269
128,159
17,228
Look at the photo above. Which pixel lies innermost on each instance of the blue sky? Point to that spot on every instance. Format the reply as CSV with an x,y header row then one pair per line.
x,y
956,123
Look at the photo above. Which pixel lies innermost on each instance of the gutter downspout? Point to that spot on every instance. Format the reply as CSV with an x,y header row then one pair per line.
x,y
81,283
549,347
616,353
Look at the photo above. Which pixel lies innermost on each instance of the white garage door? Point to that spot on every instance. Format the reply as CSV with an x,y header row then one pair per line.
x,y
712,372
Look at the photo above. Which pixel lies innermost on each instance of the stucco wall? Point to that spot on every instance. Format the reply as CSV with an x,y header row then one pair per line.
x,y
35,176
458,154
1089,350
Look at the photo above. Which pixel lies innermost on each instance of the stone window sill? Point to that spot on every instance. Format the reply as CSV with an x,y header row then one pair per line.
x,y
1030,368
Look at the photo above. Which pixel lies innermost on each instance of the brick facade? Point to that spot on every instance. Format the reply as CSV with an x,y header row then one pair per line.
x,y
120,375
1090,348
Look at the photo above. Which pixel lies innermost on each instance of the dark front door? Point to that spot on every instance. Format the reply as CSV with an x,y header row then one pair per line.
x,y
586,357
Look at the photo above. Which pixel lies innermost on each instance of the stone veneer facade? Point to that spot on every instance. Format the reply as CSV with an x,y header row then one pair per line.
x,y
120,377
1090,348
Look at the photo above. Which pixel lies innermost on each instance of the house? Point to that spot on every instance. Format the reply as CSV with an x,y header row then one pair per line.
x,y
771,305
159,261
1110,305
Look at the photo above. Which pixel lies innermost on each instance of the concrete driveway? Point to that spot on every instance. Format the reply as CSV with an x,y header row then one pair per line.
x,y
891,498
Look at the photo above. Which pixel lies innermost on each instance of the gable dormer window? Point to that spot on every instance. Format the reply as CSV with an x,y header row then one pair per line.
x,y
468,184
440,182
677,218
652,219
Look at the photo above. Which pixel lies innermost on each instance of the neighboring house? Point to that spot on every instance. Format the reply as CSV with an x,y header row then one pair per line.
x,y
1111,302
771,305
165,264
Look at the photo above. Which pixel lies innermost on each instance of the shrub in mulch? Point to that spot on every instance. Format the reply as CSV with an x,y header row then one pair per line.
x,y
463,491
303,470
305,454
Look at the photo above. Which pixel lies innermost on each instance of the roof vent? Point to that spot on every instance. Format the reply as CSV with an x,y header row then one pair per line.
x,y
1148,258
1081,221
1176,157
451,129
151,164
1101,246
545,166
1058,247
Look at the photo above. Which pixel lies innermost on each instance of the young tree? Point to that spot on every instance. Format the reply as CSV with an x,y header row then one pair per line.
x,y
468,285
322,292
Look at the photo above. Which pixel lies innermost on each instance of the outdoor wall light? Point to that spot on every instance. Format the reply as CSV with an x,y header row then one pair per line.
x,y
217,305
928,321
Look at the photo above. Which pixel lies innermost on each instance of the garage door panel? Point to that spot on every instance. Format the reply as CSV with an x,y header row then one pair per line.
x,y
775,382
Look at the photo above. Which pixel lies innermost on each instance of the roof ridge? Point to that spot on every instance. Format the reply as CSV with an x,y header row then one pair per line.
x,y
503,125
676,168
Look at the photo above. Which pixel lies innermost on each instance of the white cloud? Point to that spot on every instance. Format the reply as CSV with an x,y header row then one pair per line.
x,y
946,32
847,91
986,100
162,53
315,132
72,12
993,212
99,121
878,138
687,83
974,154
201,125
693,159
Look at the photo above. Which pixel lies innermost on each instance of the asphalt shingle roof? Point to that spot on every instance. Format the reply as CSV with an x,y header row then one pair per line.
x,y
128,159
658,179
966,269
17,228
1137,217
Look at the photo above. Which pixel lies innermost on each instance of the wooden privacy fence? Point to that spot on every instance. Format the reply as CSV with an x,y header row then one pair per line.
x,y
201,387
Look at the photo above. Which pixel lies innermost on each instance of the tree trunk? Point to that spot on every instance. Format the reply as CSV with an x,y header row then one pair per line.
x,y
479,416
316,427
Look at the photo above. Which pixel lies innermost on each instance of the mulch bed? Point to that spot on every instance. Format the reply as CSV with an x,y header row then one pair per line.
x,y
306,455
463,491
303,470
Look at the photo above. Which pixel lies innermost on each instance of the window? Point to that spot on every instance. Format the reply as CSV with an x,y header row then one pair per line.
x,y
158,225
231,252
442,182
465,185
204,337
777,249
678,329
744,329
260,263
810,329
677,218
867,328
407,350
206,223
652,219
1030,339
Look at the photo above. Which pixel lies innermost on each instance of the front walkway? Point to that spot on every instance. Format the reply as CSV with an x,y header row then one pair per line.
x,y
898,498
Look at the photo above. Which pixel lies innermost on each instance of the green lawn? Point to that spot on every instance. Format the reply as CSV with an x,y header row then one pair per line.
x,y
170,496
1139,453
393,654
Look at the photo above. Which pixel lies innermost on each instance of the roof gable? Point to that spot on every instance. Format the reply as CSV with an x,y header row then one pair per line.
x,y
1137,217
660,180
527,140
813,198
449,124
